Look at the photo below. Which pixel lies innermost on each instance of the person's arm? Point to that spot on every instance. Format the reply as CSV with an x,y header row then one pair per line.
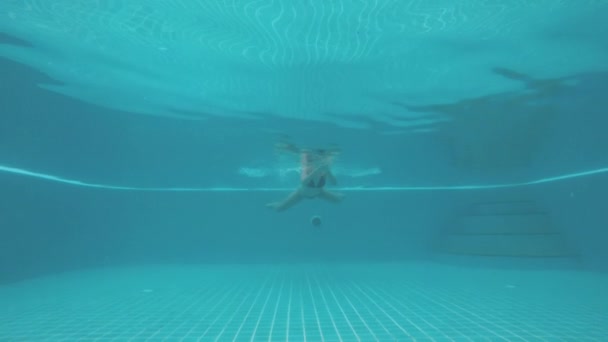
x,y
288,147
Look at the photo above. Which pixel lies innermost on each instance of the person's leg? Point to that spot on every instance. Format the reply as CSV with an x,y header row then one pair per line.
x,y
331,196
287,203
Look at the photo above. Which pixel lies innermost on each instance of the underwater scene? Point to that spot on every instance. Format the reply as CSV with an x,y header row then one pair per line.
x,y
318,170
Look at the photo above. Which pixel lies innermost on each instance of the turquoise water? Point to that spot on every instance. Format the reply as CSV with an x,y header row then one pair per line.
x,y
138,153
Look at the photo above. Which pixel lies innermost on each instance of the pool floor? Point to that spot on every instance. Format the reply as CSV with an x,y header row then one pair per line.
x,y
340,302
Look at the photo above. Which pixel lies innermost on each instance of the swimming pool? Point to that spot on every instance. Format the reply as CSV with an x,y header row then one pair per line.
x,y
339,302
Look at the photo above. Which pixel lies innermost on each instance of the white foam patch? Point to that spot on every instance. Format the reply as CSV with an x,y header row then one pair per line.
x,y
299,60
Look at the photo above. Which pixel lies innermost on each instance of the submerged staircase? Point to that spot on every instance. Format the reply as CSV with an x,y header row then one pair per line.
x,y
512,230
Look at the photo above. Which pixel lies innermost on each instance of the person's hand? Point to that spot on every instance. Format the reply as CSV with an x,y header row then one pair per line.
x,y
273,205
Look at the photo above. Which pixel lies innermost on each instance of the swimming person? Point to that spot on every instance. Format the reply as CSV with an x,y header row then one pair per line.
x,y
314,175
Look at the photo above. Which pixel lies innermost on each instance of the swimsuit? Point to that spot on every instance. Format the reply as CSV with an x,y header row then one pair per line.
x,y
310,163
319,184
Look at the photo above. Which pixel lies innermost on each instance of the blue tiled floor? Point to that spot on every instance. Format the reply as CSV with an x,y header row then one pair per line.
x,y
389,302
